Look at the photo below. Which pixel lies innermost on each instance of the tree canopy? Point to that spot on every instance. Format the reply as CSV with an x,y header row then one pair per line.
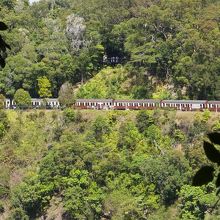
x,y
173,44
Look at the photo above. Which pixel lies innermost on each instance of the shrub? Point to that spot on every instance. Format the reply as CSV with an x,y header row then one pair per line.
x,y
18,214
22,98
69,115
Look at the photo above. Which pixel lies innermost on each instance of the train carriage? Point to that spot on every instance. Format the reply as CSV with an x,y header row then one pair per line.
x,y
94,104
213,106
185,105
136,104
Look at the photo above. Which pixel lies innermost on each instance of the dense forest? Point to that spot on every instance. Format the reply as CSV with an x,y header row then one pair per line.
x,y
104,165
99,165
164,48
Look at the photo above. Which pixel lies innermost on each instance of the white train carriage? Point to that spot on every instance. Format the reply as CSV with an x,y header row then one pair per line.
x,y
50,103
184,105
136,104
94,104
213,106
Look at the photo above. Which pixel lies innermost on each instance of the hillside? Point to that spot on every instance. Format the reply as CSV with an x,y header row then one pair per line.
x,y
100,165
93,164
165,49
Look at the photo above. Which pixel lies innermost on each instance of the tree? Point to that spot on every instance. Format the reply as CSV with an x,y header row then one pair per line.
x,y
195,201
100,128
22,98
144,120
44,87
66,95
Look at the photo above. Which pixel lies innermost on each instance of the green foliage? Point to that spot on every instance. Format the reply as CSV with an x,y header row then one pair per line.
x,y
100,128
144,120
161,93
106,84
2,130
32,196
66,95
206,173
98,164
172,44
195,201
44,87
2,101
167,173
18,214
69,115
82,196
129,136
22,98
179,135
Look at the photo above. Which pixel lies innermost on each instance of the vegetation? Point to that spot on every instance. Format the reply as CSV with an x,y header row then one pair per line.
x,y
44,87
145,49
22,98
109,164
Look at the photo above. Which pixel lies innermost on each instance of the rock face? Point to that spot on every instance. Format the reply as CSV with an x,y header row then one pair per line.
x,y
75,31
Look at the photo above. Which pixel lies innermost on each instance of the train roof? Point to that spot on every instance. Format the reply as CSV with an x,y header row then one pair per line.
x,y
214,102
185,101
47,99
120,100
94,100
138,101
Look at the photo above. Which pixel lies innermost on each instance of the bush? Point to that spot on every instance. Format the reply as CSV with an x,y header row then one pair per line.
x,y
18,214
69,115
4,119
22,98
143,121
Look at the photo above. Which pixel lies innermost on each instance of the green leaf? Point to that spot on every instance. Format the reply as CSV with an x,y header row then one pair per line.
x,y
3,26
211,152
203,176
214,137
218,181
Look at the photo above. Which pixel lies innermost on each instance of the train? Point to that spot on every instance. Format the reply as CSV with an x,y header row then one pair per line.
x,y
51,103
116,104
119,104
